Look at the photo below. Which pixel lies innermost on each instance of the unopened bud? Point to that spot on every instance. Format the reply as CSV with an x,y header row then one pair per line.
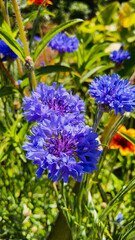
x,y
16,105
29,65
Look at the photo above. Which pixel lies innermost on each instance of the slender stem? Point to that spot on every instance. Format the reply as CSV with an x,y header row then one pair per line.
x,y
4,12
30,80
35,24
8,74
64,201
97,120
19,67
26,91
20,25
23,37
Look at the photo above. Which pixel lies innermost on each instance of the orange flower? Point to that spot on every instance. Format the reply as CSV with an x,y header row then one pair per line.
x,y
39,2
125,147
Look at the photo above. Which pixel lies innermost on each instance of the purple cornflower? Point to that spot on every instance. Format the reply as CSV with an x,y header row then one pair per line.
x,y
47,100
120,55
111,92
7,52
62,148
63,43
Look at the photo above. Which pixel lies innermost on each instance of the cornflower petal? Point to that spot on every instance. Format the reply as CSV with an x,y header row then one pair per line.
x,y
47,100
111,92
120,55
63,43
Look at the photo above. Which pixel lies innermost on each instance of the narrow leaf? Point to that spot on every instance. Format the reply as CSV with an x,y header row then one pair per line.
x,y
94,70
118,198
12,43
127,137
94,59
52,68
45,70
6,90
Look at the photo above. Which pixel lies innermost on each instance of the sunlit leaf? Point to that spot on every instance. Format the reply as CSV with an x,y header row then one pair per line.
x,y
12,43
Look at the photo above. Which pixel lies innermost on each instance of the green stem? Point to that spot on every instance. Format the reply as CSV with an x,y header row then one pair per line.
x,y
4,12
23,37
65,201
30,81
35,24
97,120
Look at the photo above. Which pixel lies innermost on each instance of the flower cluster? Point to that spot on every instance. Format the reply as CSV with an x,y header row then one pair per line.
x,y
63,43
62,148
7,52
119,56
111,92
39,2
119,142
47,100
61,142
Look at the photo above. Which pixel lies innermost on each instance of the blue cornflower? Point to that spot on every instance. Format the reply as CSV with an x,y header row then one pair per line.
x,y
62,148
7,52
64,43
37,38
120,55
119,217
111,92
19,82
42,63
47,100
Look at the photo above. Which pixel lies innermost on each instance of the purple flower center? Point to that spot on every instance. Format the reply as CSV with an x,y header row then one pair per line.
x,y
61,144
57,105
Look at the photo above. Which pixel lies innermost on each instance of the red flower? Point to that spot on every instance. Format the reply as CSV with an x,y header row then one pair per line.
x,y
39,2
125,147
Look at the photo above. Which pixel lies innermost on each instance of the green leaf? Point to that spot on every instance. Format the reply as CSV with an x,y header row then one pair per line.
x,y
31,16
129,138
45,70
96,48
130,235
6,90
23,131
94,70
94,59
12,43
108,13
128,232
118,198
51,34
52,68
60,229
